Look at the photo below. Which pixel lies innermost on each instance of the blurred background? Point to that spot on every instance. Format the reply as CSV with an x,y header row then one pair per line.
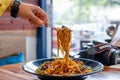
x,y
89,20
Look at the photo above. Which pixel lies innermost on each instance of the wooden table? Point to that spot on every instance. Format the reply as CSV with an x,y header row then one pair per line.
x,y
15,72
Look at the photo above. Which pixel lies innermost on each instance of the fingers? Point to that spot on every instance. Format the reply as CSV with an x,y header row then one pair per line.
x,y
42,15
34,14
35,20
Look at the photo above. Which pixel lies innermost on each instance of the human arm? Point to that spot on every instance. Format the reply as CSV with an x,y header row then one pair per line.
x,y
33,13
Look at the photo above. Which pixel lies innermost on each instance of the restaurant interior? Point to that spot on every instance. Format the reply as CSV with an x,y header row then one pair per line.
x,y
95,41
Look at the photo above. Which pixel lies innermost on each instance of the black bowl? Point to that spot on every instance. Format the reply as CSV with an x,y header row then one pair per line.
x,y
31,67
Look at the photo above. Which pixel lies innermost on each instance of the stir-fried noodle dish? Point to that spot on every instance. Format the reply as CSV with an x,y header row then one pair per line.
x,y
63,66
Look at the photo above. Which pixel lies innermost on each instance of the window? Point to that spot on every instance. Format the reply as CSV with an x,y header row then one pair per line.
x,y
89,20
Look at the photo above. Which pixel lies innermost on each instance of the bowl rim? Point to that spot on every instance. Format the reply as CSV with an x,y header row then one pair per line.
x,y
73,75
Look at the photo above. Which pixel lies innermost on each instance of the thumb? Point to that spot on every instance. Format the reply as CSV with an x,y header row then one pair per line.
x,y
35,20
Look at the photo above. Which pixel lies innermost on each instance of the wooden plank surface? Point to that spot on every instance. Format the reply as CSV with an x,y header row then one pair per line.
x,y
15,72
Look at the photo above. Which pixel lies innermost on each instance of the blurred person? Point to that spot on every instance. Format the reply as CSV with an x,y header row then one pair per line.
x,y
116,37
34,14
111,31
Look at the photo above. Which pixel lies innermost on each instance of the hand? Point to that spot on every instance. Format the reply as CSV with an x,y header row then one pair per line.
x,y
33,14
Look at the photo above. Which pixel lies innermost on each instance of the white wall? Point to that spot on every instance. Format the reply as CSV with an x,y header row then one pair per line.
x,y
30,48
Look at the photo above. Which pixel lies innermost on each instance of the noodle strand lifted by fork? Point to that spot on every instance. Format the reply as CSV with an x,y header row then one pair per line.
x,y
64,37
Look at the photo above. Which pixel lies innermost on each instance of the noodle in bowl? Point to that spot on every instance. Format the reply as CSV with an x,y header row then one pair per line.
x,y
60,68
32,66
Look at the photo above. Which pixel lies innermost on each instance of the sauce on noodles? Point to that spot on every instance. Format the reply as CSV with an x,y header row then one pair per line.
x,y
65,66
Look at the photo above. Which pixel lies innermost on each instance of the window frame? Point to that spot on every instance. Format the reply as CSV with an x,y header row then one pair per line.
x,y
41,35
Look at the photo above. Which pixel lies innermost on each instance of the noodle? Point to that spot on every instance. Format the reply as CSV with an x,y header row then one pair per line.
x,y
64,40
65,66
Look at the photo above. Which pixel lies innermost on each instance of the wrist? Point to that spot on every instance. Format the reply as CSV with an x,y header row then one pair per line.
x,y
15,8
